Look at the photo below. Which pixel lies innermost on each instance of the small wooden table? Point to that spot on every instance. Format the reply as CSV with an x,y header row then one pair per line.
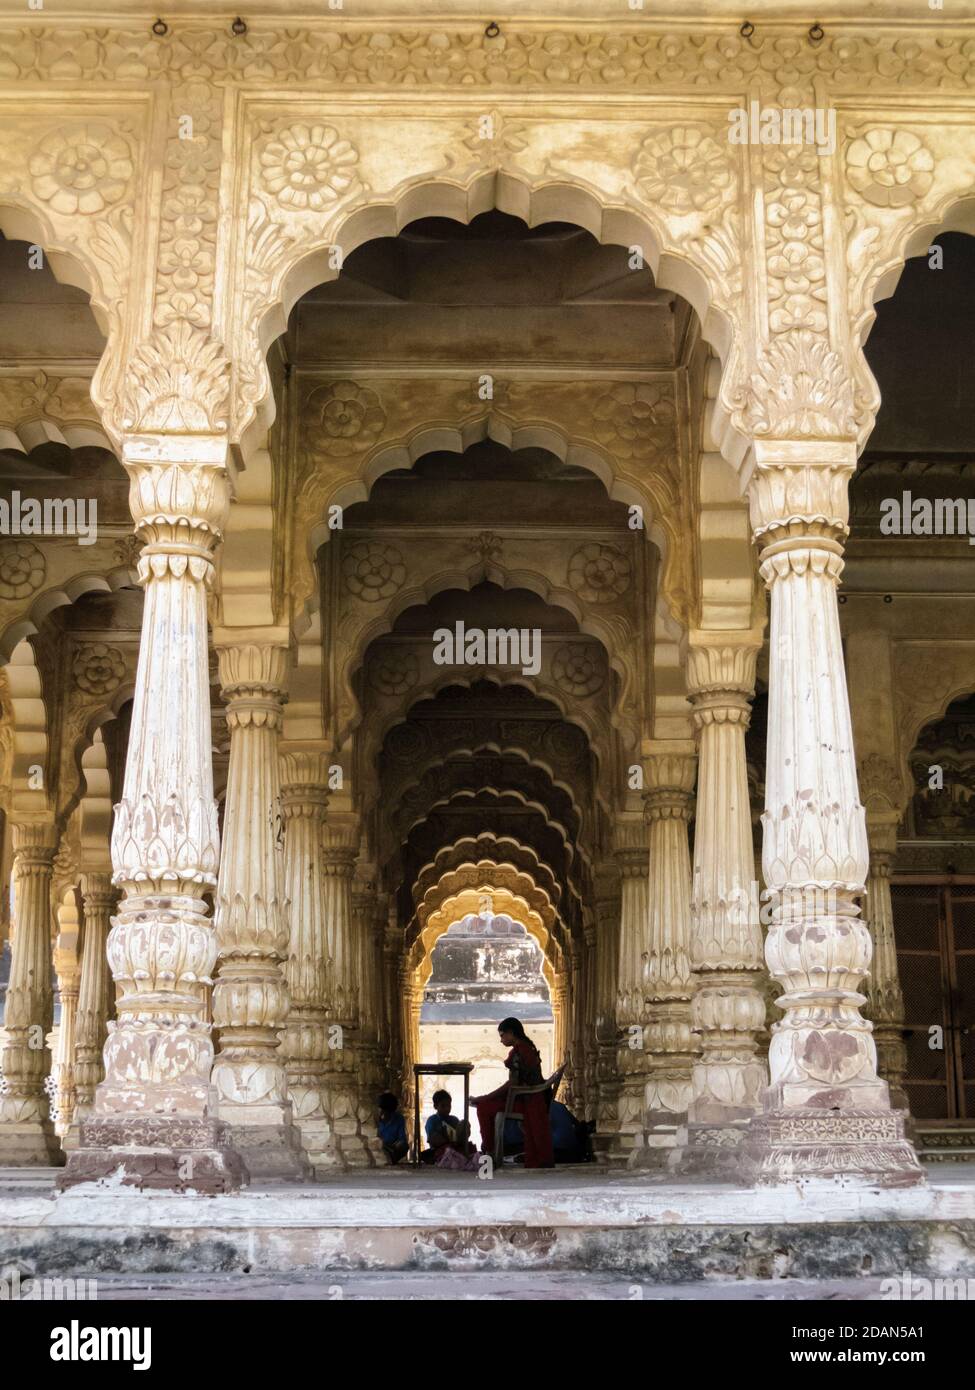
x,y
463,1069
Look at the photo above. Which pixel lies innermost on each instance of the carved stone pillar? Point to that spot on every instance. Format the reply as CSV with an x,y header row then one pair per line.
x,y
590,1043
827,1113
667,982
67,969
154,1121
726,936
27,1135
350,1124
305,1041
885,1002
608,908
392,949
250,997
367,1040
575,1067
631,1012
93,999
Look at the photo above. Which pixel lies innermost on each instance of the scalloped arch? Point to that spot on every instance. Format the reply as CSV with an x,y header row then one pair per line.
x,y
72,264
534,201
955,213
57,596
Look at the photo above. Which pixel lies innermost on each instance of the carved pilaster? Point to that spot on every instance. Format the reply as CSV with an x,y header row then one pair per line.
x,y
667,981
726,937
250,997
885,1002
827,1113
26,1131
154,1121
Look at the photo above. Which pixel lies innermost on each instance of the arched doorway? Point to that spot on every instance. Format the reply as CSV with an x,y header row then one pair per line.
x,y
484,968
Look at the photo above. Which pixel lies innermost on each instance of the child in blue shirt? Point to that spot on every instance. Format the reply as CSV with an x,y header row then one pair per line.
x,y
391,1128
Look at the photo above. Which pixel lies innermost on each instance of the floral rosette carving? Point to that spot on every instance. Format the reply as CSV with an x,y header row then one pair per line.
x,y
578,669
630,418
82,169
97,668
342,417
599,573
889,168
395,673
21,569
683,169
373,570
308,168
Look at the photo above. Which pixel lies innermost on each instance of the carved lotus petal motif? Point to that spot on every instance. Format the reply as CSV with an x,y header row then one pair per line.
x,y
683,169
98,668
633,418
890,168
344,418
372,570
308,167
578,669
395,674
21,569
83,169
599,573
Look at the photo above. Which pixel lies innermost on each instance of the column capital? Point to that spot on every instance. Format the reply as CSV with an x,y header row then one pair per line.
x,y
798,494
179,497
671,770
882,839
98,893
253,663
35,843
720,673
304,783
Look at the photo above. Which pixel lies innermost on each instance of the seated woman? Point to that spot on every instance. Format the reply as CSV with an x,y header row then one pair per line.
x,y
525,1067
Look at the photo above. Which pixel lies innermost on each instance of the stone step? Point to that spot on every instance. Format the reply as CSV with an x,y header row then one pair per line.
x,y
664,1232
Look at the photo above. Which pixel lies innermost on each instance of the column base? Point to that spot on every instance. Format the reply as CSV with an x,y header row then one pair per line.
x,y
272,1152
710,1150
655,1151
155,1153
852,1147
29,1144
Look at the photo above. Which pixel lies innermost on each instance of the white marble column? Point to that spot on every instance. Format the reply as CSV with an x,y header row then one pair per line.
x,y
575,1065
633,1060
27,1135
590,1043
250,996
826,1112
608,907
667,982
304,1043
154,1123
350,1119
67,969
728,1008
367,1043
93,1000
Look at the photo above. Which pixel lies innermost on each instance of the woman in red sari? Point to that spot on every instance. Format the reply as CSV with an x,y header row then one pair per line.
x,y
525,1067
